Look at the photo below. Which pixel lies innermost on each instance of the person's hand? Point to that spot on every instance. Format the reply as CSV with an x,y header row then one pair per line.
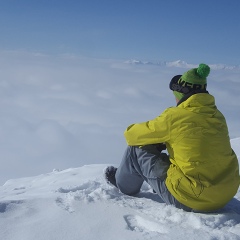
x,y
161,146
154,148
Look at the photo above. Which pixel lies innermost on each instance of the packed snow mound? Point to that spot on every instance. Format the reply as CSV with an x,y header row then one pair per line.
x,y
77,203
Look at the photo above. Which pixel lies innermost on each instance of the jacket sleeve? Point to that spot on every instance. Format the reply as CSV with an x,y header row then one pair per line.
x,y
150,132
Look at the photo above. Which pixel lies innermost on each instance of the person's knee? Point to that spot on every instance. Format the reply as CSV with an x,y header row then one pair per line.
x,y
129,187
128,191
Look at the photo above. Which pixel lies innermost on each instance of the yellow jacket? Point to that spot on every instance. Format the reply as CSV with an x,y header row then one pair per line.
x,y
204,173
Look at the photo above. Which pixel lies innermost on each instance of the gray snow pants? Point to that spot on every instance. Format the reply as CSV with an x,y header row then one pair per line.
x,y
145,164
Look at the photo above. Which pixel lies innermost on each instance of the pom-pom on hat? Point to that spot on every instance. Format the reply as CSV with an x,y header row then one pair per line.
x,y
192,80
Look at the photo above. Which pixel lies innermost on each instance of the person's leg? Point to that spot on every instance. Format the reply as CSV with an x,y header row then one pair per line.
x,y
149,164
139,164
128,180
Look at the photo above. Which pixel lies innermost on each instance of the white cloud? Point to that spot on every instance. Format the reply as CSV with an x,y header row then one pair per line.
x,y
104,94
131,92
66,111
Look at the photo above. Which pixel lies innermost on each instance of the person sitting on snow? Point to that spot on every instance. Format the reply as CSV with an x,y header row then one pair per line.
x,y
201,172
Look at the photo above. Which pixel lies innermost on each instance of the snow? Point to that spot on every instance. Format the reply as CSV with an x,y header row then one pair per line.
x,y
77,203
68,114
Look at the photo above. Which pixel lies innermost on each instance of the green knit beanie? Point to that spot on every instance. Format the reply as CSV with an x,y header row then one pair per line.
x,y
197,75
194,79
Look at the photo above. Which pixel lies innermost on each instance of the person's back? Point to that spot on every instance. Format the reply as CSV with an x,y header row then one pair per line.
x,y
204,170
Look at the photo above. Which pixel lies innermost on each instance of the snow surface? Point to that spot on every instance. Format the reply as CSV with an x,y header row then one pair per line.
x,y
77,203
68,112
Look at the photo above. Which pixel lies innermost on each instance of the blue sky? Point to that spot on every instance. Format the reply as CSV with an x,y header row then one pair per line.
x,y
194,31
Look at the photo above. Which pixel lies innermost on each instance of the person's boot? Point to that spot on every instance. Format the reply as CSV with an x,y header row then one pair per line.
x,y
109,174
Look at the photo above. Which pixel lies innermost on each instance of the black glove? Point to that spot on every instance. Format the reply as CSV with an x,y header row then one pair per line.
x,y
161,147
154,148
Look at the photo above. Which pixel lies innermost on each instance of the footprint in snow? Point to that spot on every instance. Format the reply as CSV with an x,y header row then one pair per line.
x,y
139,224
86,192
5,206
90,186
65,204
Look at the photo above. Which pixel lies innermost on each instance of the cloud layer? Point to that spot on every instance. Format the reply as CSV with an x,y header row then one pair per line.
x,y
67,111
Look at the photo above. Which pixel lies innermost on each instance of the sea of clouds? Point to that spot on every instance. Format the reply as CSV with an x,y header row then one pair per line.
x,y
66,111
